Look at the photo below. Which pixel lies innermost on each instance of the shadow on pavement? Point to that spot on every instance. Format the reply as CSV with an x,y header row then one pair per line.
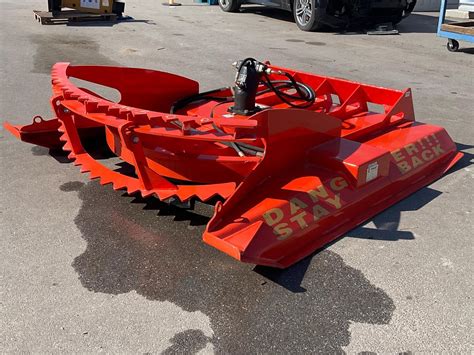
x,y
466,160
99,23
469,50
155,249
414,23
387,222
418,23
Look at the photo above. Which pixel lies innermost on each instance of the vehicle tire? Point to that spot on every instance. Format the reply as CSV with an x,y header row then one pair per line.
x,y
452,45
230,5
397,19
409,8
307,15
405,12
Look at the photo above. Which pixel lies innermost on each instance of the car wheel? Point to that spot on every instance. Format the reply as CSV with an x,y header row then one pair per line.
x,y
307,15
229,5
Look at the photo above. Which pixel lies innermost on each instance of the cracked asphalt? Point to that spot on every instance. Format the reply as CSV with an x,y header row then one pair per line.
x,y
88,269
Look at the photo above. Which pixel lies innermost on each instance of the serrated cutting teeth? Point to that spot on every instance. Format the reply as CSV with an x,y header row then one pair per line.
x,y
132,185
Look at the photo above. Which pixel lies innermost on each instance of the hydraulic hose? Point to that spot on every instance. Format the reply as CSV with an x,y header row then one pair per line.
x,y
304,93
206,95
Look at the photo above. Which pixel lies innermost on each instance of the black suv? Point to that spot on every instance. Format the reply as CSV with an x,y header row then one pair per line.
x,y
313,15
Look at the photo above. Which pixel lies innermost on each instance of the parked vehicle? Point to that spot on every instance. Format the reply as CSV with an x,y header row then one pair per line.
x,y
313,15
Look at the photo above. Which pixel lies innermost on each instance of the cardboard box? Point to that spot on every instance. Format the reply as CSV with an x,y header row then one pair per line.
x,y
92,6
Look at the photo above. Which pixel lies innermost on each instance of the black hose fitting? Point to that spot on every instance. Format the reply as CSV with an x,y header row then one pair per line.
x,y
245,89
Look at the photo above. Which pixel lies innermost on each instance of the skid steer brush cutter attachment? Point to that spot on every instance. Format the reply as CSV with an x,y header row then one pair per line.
x,y
294,160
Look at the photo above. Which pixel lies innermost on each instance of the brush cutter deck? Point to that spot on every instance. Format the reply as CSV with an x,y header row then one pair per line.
x,y
292,179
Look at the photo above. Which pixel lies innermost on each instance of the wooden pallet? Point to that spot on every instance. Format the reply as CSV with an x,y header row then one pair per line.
x,y
49,18
466,28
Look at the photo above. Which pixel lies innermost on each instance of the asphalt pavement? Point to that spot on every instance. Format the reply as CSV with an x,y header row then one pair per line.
x,y
85,268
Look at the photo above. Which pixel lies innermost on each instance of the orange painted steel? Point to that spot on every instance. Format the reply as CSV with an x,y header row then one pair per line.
x,y
288,181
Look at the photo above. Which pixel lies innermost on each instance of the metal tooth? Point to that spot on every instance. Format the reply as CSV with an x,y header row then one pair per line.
x,y
203,197
148,115
104,180
94,175
184,196
120,186
166,194
120,182
114,109
102,107
132,190
147,193
67,146
82,164
211,196
208,196
184,201
85,169
91,105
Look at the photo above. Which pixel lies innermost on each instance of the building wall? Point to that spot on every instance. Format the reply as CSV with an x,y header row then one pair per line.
x,y
434,5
